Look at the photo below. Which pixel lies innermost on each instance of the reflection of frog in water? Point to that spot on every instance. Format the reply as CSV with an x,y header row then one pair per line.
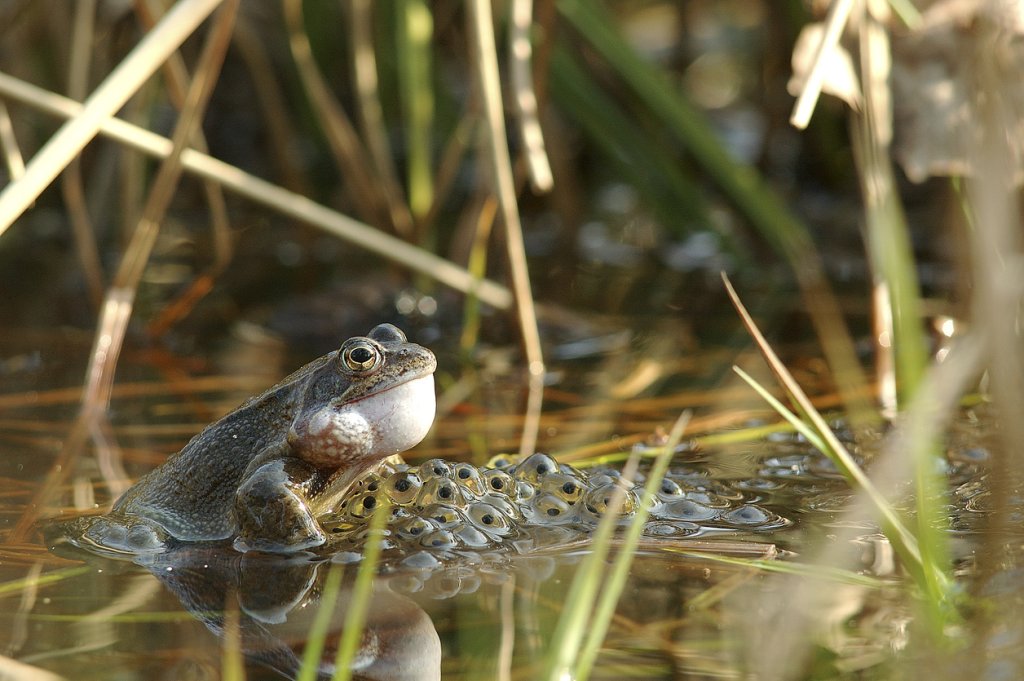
x,y
254,474
277,598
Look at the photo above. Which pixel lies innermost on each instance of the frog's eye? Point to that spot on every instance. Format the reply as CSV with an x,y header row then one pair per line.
x,y
360,356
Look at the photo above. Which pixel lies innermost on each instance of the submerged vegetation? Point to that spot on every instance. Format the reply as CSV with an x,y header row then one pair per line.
x,y
515,161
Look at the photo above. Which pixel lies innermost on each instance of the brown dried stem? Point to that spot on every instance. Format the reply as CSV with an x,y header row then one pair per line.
x,y
118,302
481,30
272,196
371,113
525,97
370,198
108,98
71,181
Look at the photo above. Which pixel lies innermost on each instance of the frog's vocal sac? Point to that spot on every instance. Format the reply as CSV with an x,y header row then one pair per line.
x,y
259,475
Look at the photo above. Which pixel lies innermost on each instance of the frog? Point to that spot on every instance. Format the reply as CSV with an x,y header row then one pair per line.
x,y
258,475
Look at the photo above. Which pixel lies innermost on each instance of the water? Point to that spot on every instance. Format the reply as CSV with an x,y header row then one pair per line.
x,y
454,611
166,619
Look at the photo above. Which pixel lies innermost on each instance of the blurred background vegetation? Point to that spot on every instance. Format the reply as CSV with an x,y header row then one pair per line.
x,y
652,147
648,202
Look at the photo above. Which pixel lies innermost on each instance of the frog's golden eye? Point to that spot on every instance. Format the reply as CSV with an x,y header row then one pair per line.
x,y
361,357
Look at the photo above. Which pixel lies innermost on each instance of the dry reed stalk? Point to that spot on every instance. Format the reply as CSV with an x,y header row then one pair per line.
x,y
448,167
273,196
371,113
271,101
120,298
525,97
481,30
71,181
362,189
838,14
117,304
180,23
13,159
177,78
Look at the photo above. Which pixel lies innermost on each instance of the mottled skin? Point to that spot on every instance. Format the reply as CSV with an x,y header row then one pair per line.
x,y
252,475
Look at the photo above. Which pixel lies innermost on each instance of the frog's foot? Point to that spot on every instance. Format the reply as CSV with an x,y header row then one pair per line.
x,y
272,513
115,535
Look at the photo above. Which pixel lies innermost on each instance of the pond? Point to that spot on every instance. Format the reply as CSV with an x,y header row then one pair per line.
x,y
458,611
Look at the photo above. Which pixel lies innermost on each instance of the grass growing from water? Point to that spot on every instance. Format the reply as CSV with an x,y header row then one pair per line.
x,y
584,623
580,599
362,595
615,581
924,554
318,631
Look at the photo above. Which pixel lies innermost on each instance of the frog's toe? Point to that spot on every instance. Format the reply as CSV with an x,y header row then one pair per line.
x,y
116,535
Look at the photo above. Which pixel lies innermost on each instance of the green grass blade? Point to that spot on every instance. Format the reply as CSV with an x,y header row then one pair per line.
x,y
232,661
616,582
887,236
741,184
415,31
908,14
890,251
134,618
784,411
902,538
362,594
575,619
931,576
317,636
16,586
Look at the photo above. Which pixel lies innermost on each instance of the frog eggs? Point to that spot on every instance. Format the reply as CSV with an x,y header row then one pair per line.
x,y
441,507
403,487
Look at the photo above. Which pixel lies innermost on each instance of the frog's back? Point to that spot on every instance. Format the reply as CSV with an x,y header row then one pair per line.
x,y
192,494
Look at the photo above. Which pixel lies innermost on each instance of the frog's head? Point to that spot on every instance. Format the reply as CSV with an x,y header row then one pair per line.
x,y
372,398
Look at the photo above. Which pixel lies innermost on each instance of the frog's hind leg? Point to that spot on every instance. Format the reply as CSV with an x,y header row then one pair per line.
x,y
112,534
272,511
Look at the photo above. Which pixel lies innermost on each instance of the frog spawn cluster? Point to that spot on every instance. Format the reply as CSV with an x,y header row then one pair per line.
x,y
440,507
